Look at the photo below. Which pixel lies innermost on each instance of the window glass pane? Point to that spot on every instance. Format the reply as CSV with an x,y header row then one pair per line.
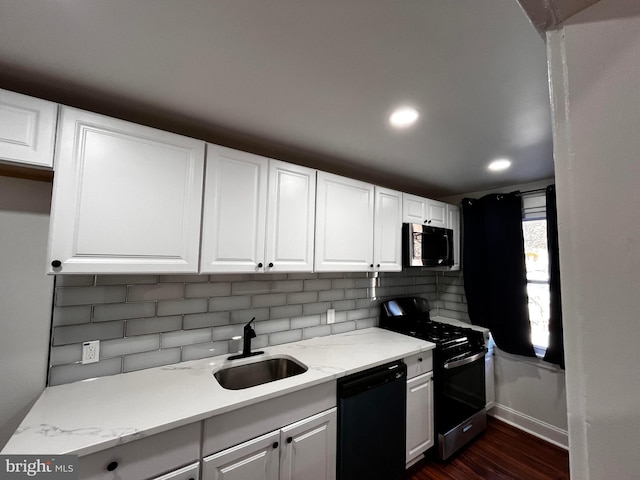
x,y
537,264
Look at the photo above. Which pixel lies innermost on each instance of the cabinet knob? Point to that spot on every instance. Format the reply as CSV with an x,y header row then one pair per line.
x,y
289,439
260,265
420,359
56,263
378,266
275,444
270,264
112,466
427,221
371,265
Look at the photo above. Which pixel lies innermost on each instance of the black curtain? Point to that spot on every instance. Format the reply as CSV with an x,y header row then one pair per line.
x,y
555,350
495,279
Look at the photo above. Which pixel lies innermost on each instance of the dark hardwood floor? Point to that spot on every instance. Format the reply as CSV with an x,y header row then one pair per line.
x,y
501,453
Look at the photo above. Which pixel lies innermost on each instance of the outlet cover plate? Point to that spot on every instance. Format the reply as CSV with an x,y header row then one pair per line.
x,y
91,351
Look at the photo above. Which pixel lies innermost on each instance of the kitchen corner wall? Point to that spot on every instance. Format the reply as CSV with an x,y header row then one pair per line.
x,y
147,321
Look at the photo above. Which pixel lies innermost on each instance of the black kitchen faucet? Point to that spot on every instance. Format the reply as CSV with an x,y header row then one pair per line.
x,y
247,335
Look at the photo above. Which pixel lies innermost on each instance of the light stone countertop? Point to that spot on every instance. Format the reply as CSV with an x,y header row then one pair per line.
x,y
91,415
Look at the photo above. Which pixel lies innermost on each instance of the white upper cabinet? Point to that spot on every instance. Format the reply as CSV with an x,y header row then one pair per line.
x,y
126,198
453,217
424,211
27,129
344,224
387,245
258,214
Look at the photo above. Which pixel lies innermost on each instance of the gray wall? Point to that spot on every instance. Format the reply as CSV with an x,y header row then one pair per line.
x,y
25,298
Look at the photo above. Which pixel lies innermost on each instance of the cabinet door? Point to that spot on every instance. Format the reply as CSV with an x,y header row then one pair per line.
x,y
344,224
256,459
424,211
126,198
191,472
309,448
290,218
420,433
453,216
388,230
235,207
27,129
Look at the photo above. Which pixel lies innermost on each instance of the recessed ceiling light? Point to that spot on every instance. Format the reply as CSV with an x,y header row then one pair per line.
x,y
404,117
500,164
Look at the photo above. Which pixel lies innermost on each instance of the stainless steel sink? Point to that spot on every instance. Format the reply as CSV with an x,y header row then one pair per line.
x,y
257,373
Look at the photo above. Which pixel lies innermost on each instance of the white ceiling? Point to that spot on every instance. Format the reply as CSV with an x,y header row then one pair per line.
x,y
305,80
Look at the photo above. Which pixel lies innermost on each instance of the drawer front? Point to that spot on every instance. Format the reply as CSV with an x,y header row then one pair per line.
x,y
419,363
145,458
190,472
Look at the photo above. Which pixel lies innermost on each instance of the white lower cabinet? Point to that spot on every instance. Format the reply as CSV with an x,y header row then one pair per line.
x,y
305,450
257,459
190,472
420,436
147,458
420,423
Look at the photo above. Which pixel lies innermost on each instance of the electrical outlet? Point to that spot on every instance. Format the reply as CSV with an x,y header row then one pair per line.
x,y
331,316
91,351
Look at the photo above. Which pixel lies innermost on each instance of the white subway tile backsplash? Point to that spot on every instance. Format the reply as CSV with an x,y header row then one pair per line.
x,y
287,311
200,290
201,320
66,354
71,315
288,336
122,311
342,327
146,321
227,331
186,337
82,333
306,322
317,284
127,345
317,331
204,350
72,373
90,295
329,295
140,361
243,316
143,326
302,297
141,293
269,300
229,303
175,307
270,326
315,308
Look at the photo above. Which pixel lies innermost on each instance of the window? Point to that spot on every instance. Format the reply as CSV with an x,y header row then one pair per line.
x,y
534,228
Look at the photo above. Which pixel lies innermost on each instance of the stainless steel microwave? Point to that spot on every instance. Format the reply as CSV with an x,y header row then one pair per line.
x,y
425,246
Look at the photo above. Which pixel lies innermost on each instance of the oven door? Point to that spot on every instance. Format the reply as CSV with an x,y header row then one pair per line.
x,y
460,393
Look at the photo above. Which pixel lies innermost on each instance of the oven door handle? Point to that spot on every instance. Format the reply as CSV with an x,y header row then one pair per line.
x,y
465,361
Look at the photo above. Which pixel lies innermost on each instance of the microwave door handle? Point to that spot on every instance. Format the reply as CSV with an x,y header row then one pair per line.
x,y
465,361
446,237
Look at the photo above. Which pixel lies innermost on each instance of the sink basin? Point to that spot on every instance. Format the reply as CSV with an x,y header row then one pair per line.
x,y
257,373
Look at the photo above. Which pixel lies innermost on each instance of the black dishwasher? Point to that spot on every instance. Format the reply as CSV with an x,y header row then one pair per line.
x,y
372,409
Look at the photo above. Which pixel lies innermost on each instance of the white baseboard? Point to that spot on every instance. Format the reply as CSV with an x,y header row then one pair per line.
x,y
531,425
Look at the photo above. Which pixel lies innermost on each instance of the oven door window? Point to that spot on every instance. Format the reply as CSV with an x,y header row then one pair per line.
x,y
462,394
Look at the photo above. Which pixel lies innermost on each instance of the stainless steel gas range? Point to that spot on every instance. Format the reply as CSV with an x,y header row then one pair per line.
x,y
458,371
